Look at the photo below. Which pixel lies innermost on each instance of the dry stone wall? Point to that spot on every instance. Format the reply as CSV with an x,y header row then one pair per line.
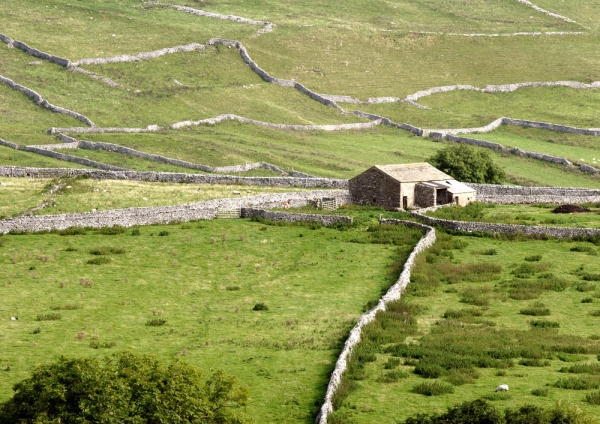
x,y
172,177
325,220
45,104
484,227
503,194
70,158
163,215
393,293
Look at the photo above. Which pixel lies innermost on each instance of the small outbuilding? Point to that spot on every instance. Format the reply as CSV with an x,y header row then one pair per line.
x,y
406,186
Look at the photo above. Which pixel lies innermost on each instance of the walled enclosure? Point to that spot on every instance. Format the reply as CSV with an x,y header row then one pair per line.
x,y
165,214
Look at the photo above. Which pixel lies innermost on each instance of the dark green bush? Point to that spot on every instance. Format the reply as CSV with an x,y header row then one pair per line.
x,y
48,317
585,249
391,363
156,322
135,232
392,376
467,164
37,330
584,287
432,388
542,392
593,398
163,233
105,250
71,249
534,363
537,309
591,277
111,231
260,306
533,258
100,260
72,231
541,323
473,412
587,300
429,370
579,383
582,369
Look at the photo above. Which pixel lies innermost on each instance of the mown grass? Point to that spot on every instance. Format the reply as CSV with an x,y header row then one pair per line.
x,y
537,214
476,348
179,284
84,195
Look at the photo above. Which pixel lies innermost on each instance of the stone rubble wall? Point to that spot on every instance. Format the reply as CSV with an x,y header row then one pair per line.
x,y
44,103
139,56
504,194
504,88
163,214
539,9
34,52
268,26
325,220
71,158
92,75
393,294
484,227
173,177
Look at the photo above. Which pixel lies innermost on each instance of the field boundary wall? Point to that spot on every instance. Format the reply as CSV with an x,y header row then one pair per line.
x,y
392,294
165,214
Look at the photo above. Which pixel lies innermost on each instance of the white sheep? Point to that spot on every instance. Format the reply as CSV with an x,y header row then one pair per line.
x,y
236,192
502,388
14,318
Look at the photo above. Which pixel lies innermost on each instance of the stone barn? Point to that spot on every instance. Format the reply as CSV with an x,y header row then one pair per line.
x,y
405,186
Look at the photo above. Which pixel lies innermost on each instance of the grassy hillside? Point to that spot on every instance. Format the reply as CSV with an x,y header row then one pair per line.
x,y
204,279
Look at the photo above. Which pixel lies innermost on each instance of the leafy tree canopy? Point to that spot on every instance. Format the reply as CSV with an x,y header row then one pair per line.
x,y
123,388
468,165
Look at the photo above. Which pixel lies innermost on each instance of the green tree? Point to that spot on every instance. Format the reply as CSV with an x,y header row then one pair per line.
x,y
124,388
467,164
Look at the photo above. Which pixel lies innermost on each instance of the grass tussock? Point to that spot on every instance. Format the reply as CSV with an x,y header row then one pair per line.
x,y
48,317
99,260
433,388
537,309
105,250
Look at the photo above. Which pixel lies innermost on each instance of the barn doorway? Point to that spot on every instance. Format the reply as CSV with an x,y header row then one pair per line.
x,y
405,202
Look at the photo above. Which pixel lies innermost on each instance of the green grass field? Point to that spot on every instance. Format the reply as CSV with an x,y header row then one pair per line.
x,y
489,307
523,215
83,195
203,278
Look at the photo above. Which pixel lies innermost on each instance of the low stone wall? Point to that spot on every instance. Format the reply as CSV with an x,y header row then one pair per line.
x,y
172,177
393,293
326,220
552,127
34,52
503,194
71,158
165,214
530,230
139,56
45,104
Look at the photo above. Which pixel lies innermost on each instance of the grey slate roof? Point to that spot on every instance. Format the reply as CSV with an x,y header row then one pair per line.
x,y
414,172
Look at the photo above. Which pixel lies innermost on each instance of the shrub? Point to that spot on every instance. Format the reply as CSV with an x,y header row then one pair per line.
x,y
429,370
533,258
582,369
526,270
261,306
392,376
71,249
541,323
95,344
565,357
156,322
593,398
104,250
587,300
126,388
579,383
432,388
111,231
391,363
473,412
463,313
101,260
72,231
66,307
584,287
595,313
542,392
163,233
591,277
37,330
467,164
489,252
135,232
48,317
585,249
232,288
537,309
534,363
458,377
